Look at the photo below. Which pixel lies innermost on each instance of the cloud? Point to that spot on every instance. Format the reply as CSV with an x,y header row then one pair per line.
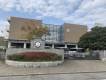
x,y
87,12
55,8
4,26
7,5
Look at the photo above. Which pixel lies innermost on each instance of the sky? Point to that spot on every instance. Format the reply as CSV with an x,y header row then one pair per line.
x,y
84,12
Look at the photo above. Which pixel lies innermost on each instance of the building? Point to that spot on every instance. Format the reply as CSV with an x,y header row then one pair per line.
x,y
19,29
60,36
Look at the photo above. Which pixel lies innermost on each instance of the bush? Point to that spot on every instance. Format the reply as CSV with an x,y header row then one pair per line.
x,y
35,56
2,49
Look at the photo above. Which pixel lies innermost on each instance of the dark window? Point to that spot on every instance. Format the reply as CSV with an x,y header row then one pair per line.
x,y
28,45
71,46
17,45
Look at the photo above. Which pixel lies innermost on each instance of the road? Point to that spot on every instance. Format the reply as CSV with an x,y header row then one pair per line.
x,y
69,76
69,70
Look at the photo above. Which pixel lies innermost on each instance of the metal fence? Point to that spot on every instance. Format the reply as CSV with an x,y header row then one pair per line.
x,y
82,55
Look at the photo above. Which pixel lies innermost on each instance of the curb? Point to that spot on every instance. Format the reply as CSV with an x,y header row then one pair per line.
x,y
53,74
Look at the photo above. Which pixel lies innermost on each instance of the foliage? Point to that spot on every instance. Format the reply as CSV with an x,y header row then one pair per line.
x,y
35,56
37,32
94,39
3,42
1,49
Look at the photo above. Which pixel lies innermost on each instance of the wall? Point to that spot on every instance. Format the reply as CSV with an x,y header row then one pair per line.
x,y
20,27
73,32
33,64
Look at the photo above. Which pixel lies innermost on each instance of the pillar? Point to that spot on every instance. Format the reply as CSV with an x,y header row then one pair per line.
x,y
53,46
9,44
24,45
65,45
76,46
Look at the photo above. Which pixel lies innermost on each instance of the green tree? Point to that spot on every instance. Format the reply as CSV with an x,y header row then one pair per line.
x,y
94,39
37,32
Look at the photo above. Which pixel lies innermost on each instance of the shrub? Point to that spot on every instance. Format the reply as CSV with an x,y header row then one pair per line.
x,y
35,56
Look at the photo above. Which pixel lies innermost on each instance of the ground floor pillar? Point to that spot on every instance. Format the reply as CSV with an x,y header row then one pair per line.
x,y
24,45
76,46
9,44
65,45
53,46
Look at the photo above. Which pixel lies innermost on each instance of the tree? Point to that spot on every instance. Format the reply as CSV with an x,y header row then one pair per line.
x,y
37,32
94,39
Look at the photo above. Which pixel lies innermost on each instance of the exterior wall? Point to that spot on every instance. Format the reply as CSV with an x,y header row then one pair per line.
x,y
20,27
73,32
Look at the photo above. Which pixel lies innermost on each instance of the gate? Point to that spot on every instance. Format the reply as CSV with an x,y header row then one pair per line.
x,y
82,55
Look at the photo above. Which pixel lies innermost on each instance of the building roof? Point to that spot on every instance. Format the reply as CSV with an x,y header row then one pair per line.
x,y
77,25
20,27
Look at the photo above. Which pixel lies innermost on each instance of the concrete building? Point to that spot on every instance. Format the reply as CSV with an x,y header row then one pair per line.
x,y
60,36
19,29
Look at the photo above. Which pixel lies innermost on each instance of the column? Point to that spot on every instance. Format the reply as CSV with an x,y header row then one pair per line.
x,y
76,46
24,45
9,44
53,46
65,45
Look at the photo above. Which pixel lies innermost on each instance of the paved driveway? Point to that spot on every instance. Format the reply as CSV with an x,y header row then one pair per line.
x,y
69,66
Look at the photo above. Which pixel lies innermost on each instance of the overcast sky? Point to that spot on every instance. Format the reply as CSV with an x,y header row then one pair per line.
x,y
85,12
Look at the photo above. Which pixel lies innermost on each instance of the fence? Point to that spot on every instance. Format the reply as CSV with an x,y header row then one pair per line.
x,y
93,55
77,54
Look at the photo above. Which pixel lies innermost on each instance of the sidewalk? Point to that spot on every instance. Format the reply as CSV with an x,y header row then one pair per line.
x,y
69,66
